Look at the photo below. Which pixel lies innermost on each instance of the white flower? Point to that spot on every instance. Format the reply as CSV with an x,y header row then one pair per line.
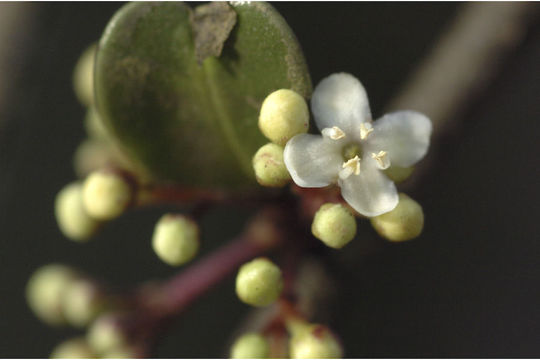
x,y
353,150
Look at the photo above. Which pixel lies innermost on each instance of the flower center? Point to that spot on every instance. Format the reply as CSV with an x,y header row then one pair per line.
x,y
350,151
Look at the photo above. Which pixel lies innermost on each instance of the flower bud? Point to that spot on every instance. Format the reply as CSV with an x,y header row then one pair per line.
x,y
72,218
106,195
45,291
82,302
259,282
403,223
270,170
284,114
76,348
175,239
106,334
250,346
399,174
83,76
315,342
334,225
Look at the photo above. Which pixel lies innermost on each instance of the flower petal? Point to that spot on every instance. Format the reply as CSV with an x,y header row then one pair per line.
x,y
370,193
340,100
313,161
404,135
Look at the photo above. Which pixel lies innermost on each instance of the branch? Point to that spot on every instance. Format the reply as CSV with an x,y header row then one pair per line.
x,y
464,59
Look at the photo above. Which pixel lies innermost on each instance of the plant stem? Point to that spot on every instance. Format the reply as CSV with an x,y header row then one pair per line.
x,y
180,291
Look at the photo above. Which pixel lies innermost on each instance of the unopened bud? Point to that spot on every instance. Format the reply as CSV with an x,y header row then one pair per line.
x,y
315,342
175,239
259,282
284,114
250,346
83,301
45,291
76,348
270,170
106,195
334,225
403,223
83,76
71,215
399,174
106,333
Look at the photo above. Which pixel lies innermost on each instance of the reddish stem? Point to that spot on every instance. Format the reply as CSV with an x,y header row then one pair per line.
x,y
179,292
175,194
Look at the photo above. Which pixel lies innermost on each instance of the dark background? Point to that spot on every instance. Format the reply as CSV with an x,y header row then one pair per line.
x,y
468,287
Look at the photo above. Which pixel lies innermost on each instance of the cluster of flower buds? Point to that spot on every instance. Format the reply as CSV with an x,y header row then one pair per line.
x,y
363,157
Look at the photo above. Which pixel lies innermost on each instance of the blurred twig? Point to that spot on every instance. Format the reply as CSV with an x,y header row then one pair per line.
x,y
463,62
464,59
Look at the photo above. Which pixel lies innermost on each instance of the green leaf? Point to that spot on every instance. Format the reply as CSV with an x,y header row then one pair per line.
x,y
193,124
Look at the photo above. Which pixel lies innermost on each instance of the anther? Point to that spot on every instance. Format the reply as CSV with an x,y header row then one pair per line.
x,y
352,166
365,129
333,133
383,162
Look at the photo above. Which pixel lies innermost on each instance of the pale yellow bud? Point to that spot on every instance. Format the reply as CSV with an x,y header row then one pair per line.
x,y
106,195
71,215
270,170
45,291
76,348
105,334
82,302
250,346
399,174
284,114
403,223
259,282
315,342
83,76
334,225
175,239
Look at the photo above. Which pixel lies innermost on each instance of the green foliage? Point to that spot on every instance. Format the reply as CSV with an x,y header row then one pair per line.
x,y
163,107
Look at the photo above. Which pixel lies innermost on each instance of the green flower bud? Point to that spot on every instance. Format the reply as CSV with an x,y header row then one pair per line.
x,y
250,346
175,239
83,76
105,334
82,302
399,174
334,225
259,282
106,195
284,114
270,170
45,291
315,342
403,223
72,218
76,348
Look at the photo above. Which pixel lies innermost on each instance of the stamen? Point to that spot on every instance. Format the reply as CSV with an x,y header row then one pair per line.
x,y
352,166
383,162
333,133
365,129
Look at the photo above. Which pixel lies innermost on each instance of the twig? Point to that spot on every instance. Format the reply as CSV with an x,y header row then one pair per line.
x,y
464,59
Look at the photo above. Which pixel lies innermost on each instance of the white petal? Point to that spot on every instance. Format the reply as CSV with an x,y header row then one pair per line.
x,y
404,135
340,100
313,161
370,193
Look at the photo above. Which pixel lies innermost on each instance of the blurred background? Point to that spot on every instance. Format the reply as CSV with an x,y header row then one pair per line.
x,y
468,287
